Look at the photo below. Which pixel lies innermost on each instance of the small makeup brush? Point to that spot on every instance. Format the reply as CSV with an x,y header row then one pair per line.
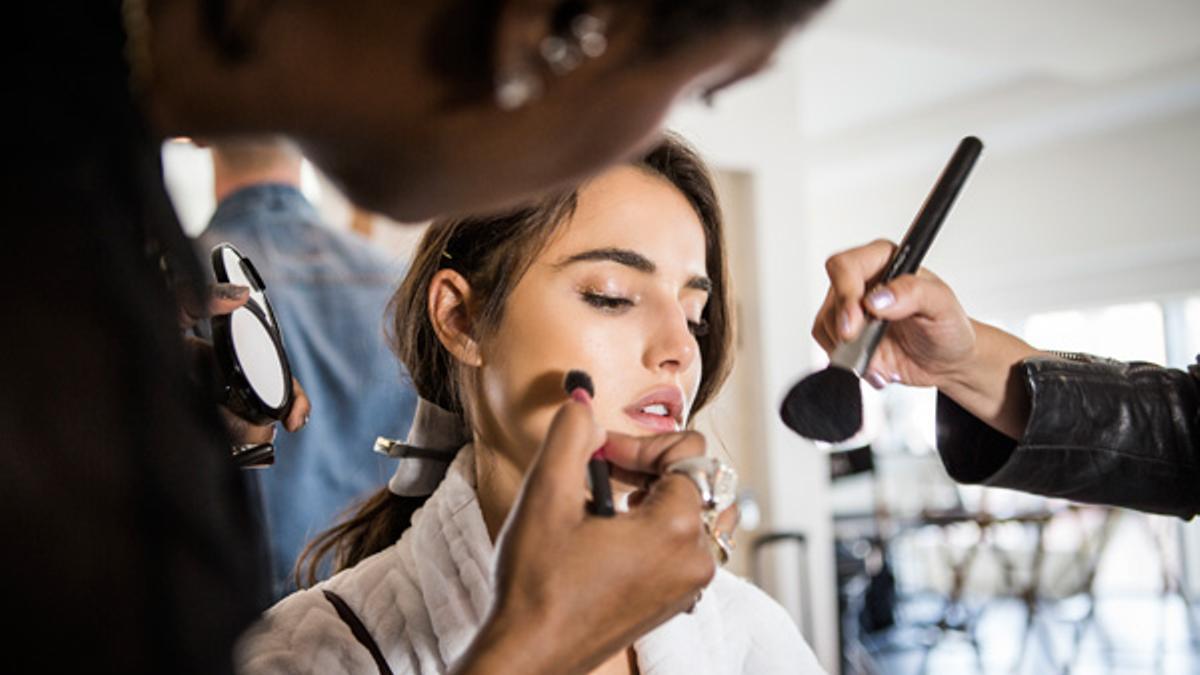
x,y
827,405
579,384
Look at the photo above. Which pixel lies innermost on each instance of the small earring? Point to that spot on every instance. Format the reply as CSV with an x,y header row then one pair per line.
x,y
587,41
560,55
517,89
588,30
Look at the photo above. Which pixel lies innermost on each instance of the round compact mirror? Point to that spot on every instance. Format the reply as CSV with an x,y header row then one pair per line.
x,y
258,357
256,375
230,266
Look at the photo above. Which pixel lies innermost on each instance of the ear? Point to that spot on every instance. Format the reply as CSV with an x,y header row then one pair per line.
x,y
539,41
449,312
521,26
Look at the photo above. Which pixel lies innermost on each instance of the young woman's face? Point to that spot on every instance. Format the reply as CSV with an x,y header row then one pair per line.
x,y
618,292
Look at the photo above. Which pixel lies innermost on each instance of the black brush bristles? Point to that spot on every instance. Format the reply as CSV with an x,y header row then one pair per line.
x,y
825,406
577,379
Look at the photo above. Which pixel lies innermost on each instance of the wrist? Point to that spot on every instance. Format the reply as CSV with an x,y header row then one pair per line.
x,y
988,382
992,356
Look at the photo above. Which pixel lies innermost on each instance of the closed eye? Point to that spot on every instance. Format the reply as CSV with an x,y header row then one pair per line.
x,y
606,302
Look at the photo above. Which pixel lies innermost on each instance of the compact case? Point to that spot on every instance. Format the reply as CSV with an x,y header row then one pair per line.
x,y
256,377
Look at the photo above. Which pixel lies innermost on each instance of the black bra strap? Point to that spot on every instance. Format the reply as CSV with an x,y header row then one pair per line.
x,y
359,630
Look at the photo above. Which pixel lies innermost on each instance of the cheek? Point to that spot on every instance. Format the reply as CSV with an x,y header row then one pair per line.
x,y
525,362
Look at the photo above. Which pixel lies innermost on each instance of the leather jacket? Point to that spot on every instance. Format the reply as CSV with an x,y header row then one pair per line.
x,y
1099,431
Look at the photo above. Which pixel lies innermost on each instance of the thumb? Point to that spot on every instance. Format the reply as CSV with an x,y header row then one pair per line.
x,y
224,298
909,295
554,484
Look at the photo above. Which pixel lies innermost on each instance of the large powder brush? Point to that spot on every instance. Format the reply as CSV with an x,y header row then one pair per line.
x,y
827,405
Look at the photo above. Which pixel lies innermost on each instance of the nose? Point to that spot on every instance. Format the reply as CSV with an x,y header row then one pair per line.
x,y
671,346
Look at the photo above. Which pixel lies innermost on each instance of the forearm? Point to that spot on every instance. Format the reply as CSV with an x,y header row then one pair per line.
x,y
1101,431
989,385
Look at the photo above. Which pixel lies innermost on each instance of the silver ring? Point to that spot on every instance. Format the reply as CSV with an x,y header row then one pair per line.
x,y
716,481
722,544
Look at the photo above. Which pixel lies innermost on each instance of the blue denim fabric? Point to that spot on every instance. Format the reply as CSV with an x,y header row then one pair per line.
x,y
329,291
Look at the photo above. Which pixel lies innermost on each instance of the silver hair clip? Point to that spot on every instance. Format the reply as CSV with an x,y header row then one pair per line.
x,y
433,440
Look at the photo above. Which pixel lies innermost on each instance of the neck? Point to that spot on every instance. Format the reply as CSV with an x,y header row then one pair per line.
x,y
225,184
497,483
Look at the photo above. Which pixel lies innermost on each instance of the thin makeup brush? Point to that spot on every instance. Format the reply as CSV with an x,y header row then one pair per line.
x,y
827,405
598,473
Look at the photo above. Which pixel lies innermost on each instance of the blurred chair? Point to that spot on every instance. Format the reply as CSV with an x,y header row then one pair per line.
x,y
866,584
1105,521
757,574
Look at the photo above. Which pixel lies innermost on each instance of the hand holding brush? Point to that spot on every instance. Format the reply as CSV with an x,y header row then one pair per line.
x,y
930,341
827,405
578,385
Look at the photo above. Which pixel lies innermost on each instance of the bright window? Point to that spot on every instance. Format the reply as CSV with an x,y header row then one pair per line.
x,y
1131,332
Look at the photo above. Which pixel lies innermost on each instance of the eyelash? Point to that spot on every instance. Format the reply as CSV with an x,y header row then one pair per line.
x,y
614,303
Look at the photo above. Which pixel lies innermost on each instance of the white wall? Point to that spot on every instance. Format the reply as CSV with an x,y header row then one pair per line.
x,y
1096,218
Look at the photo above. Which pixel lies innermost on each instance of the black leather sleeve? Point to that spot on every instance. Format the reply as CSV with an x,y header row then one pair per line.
x,y
1099,431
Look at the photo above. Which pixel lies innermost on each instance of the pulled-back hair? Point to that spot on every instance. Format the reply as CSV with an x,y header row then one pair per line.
x,y
492,253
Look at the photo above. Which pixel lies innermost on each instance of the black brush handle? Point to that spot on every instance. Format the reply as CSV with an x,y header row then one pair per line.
x,y
856,354
916,242
602,497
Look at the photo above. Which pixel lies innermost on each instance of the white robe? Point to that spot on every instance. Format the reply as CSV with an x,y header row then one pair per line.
x,y
423,599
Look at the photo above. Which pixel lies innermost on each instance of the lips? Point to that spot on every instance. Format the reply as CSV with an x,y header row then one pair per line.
x,y
661,410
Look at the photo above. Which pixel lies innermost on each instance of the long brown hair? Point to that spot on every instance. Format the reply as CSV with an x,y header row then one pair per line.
x,y
492,253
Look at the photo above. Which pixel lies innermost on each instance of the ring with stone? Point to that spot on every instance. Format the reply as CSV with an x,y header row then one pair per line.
x,y
716,481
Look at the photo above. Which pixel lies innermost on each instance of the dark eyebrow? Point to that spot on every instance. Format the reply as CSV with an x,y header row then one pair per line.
x,y
632,259
622,256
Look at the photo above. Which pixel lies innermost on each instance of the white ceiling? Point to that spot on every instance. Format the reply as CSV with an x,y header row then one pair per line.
x,y
888,70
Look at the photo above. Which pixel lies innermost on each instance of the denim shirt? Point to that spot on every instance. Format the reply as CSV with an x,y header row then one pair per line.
x,y
329,291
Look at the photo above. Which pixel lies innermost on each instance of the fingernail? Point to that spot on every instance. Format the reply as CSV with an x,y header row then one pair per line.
x,y
895,377
844,322
881,299
580,395
875,380
230,291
